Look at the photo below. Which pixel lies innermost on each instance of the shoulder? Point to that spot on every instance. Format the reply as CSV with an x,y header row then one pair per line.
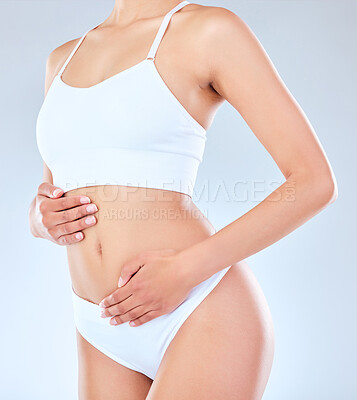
x,y
58,56
221,35
216,30
56,59
218,21
213,35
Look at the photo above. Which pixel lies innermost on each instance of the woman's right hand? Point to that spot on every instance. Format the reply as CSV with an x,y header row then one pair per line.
x,y
60,219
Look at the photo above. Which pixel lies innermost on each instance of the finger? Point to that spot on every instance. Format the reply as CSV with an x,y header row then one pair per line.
x,y
73,214
131,267
132,314
120,308
145,318
72,227
49,190
66,203
70,239
116,297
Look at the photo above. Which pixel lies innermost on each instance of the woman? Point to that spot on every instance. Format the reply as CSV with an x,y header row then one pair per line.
x,y
165,306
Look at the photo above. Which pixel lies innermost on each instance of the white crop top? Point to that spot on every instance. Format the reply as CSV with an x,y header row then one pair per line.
x,y
127,130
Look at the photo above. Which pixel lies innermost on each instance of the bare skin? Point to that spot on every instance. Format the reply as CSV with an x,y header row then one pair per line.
x,y
226,62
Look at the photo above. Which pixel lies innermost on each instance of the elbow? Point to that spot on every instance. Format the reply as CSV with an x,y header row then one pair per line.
x,y
326,189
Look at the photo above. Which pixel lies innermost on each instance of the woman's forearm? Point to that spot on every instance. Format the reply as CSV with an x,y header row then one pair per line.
x,y
298,199
32,220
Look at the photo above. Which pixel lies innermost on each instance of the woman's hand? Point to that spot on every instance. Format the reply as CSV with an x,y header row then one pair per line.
x,y
151,284
60,219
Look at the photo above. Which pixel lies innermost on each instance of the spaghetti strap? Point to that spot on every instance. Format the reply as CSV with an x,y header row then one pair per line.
x,y
74,50
162,29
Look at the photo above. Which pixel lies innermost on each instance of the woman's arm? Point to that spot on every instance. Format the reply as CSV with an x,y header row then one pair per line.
x,y
47,178
243,74
52,216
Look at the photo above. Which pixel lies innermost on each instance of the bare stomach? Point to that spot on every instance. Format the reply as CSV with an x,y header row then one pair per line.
x,y
130,220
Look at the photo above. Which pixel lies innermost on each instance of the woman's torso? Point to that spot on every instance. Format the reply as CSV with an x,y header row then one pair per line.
x,y
130,220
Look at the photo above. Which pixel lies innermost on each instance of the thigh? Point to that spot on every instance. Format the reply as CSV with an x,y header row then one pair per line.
x,y
102,378
224,350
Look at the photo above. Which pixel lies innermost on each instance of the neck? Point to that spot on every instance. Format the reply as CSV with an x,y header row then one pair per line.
x,y
127,11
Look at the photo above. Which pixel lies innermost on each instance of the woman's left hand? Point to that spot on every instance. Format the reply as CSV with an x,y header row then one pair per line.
x,y
150,284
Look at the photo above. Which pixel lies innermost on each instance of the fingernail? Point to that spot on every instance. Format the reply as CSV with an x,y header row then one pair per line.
x,y
56,192
113,322
90,220
101,304
132,323
91,208
84,200
79,235
102,314
120,283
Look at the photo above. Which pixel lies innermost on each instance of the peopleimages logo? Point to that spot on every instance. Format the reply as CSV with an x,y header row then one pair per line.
x,y
239,191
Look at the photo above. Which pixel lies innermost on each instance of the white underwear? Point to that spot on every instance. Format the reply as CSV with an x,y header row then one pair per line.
x,y
139,348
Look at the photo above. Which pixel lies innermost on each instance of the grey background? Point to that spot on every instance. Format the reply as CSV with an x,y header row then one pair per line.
x,y
309,277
